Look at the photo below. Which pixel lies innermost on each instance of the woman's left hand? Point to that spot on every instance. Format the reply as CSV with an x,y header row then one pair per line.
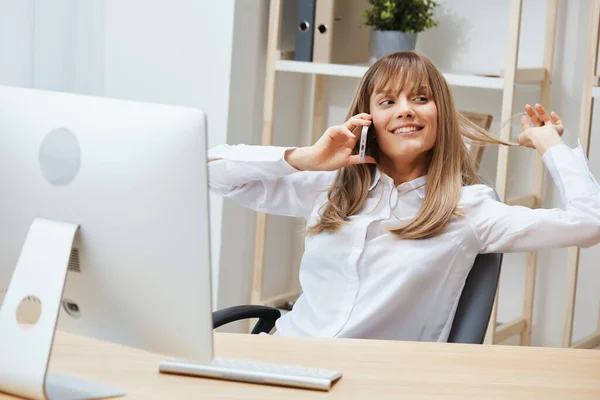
x,y
545,132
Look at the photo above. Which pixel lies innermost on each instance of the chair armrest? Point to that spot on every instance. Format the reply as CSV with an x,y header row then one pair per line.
x,y
266,316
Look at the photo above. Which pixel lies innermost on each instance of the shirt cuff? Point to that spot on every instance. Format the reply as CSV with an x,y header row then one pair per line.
x,y
570,171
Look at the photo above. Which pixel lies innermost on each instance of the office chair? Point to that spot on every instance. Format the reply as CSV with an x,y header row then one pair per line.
x,y
469,325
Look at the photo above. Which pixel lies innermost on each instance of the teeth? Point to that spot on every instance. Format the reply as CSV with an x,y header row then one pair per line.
x,y
405,130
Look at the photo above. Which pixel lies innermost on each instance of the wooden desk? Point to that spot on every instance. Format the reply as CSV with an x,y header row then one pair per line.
x,y
372,369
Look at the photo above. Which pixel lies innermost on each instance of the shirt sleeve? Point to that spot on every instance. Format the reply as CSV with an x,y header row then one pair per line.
x,y
259,178
504,228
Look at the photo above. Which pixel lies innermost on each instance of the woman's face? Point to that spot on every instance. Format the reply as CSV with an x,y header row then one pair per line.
x,y
405,124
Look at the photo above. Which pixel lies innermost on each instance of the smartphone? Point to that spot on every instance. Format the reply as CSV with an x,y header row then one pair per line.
x,y
362,149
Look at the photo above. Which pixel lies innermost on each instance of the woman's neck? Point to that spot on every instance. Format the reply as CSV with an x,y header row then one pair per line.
x,y
404,171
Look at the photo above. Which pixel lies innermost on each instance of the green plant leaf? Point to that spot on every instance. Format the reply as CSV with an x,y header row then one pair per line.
x,y
409,16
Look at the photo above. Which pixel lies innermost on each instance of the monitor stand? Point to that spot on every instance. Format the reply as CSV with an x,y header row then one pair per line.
x,y
40,274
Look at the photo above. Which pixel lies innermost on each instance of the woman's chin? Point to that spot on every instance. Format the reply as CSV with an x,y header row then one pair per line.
x,y
405,151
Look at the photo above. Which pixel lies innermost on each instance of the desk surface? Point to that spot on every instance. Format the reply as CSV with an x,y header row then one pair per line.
x,y
372,369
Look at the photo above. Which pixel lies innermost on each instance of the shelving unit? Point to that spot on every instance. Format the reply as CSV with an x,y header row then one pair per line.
x,y
511,76
591,90
521,325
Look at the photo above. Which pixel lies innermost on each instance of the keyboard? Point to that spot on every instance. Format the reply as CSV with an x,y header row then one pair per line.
x,y
256,372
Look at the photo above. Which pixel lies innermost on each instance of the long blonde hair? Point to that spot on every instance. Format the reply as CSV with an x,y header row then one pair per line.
x,y
450,165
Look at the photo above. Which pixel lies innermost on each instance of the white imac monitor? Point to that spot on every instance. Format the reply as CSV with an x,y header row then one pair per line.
x,y
108,199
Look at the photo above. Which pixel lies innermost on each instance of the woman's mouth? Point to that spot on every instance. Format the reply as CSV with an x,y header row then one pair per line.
x,y
407,131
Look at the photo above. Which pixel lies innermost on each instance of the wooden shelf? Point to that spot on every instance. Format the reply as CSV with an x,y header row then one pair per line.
x,y
486,82
523,75
588,342
304,67
510,329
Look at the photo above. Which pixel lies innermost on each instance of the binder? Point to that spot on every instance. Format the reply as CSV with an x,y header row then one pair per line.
x,y
340,37
287,34
305,27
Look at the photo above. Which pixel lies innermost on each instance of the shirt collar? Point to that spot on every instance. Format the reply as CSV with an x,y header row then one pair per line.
x,y
418,184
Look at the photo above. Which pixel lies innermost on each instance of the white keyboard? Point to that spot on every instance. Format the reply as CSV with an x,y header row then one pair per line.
x,y
256,372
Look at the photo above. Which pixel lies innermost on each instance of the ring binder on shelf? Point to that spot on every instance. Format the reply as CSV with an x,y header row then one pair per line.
x,y
305,27
340,37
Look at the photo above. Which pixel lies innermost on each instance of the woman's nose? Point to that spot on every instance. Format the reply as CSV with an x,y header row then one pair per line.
x,y
404,109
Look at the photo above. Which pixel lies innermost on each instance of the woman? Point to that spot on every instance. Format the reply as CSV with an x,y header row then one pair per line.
x,y
390,242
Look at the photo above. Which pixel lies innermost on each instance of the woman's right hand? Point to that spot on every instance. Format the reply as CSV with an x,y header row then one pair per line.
x,y
333,150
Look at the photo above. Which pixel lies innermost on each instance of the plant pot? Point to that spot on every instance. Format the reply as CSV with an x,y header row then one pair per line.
x,y
393,41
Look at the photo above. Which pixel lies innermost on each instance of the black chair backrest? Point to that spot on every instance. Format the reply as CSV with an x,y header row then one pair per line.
x,y
476,300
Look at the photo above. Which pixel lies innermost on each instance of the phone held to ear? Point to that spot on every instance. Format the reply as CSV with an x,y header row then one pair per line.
x,y
362,149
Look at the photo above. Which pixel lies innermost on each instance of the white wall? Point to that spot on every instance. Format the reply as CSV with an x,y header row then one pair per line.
x,y
177,52
16,41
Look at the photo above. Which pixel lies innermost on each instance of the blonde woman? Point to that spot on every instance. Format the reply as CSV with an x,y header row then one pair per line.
x,y
391,241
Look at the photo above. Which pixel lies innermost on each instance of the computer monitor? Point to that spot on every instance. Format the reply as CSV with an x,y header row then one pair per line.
x,y
117,190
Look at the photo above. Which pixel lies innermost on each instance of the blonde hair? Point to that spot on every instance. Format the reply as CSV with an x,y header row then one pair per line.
x,y
450,165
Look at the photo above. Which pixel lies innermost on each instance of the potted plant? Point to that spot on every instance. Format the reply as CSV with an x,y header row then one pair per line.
x,y
397,22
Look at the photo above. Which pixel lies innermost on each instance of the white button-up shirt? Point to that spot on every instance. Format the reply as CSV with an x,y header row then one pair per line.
x,y
363,281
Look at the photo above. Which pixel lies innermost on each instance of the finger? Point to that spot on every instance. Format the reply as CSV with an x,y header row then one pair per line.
x,y
355,160
543,115
535,120
556,119
525,123
349,134
343,134
353,122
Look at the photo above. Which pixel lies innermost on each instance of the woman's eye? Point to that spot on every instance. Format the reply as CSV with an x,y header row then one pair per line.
x,y
386,102
421,98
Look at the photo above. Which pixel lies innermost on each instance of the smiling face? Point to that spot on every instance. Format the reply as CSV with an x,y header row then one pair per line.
x,y
405,120
416,129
